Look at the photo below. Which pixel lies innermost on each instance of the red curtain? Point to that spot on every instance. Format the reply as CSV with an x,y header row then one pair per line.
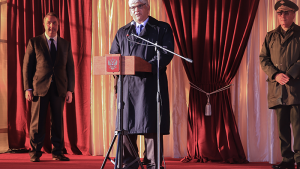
x,y
25,20
214,34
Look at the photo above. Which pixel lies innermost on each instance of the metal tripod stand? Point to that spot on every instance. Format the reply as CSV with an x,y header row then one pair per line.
x,y
120,133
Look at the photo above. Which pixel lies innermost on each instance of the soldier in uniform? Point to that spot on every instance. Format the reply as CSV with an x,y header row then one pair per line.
x,y
280,60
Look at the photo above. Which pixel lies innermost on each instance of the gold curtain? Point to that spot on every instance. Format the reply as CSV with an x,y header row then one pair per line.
x,y
3,76
108,17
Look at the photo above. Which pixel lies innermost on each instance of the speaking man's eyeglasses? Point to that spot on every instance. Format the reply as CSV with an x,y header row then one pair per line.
x,y
138,6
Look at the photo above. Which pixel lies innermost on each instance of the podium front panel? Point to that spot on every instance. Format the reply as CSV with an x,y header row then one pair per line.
x,y
127,66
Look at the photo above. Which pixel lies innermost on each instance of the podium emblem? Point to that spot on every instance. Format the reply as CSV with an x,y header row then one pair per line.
x,y
112,64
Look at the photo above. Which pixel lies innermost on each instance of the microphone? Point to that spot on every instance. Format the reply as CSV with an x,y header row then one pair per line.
x,y
132,25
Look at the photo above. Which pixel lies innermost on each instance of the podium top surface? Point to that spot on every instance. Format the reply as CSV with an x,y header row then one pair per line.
x,y
129,65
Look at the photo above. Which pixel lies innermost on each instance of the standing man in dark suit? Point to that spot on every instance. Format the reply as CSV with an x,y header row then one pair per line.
x,y
48,74
139,90
280,59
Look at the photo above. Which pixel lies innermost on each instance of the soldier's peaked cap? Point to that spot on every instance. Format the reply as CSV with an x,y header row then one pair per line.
x,y
286,4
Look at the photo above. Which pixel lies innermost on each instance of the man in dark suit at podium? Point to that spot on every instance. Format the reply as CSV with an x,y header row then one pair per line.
x,y
139,90
48,74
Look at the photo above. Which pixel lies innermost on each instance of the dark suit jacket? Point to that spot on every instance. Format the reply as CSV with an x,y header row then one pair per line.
x,y
139,90
38,67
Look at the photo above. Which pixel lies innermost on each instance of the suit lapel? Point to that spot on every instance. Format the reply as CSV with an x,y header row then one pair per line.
x,y
144,31
45,48
59,49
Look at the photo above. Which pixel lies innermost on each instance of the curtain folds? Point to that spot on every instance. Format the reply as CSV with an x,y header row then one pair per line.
x,y
214,34
26,21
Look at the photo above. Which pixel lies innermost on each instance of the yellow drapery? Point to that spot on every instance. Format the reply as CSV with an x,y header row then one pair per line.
x,y
3,76
108,17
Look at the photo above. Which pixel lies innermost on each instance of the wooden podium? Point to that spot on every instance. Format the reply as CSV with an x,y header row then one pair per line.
x,y
129,65
115,64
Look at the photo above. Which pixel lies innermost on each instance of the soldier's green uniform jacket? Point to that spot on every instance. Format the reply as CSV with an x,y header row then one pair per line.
x,y
280,53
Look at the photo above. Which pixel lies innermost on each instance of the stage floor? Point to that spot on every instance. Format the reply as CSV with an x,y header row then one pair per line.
x,y
21,161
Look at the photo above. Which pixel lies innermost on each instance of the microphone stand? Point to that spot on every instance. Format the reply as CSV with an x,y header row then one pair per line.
x,y
158,90
118,162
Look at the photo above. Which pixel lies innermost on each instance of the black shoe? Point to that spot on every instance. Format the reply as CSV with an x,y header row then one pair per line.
x,y
145,161
285,165
34,158
60,157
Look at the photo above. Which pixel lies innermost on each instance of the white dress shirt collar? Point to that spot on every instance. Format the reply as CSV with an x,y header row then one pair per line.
x,y
137,26
48,37
49,41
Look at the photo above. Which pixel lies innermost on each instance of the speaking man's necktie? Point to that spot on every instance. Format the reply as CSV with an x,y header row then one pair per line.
x,y
141,28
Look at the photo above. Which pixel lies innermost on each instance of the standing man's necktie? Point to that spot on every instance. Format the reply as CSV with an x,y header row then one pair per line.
x,y
141,28
53,56
53,51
